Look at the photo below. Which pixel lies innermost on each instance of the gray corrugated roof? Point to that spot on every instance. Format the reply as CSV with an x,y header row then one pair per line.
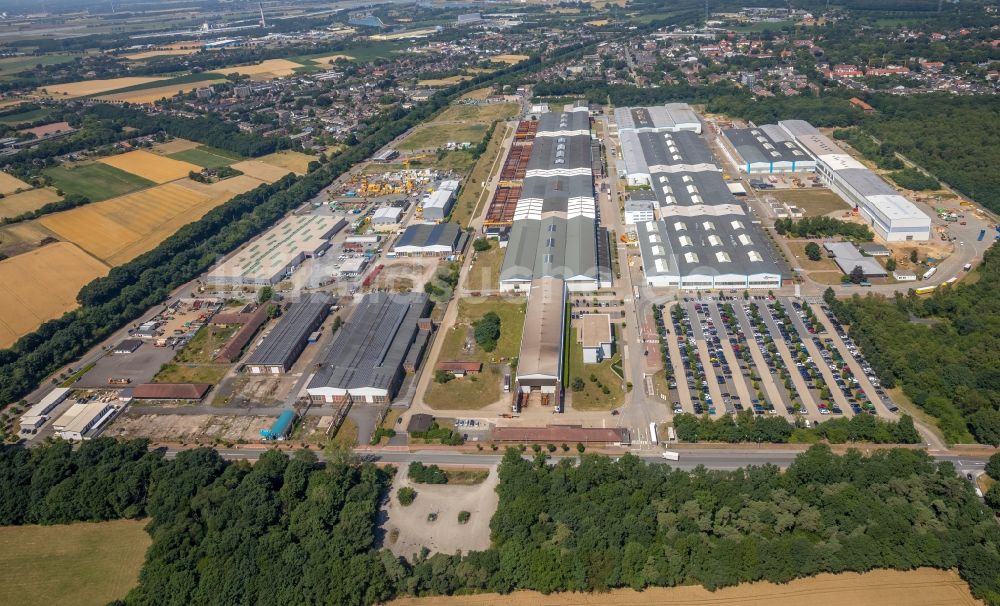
x,y
747,143
574,151
423,235
369,349
283,344
551,121
866,182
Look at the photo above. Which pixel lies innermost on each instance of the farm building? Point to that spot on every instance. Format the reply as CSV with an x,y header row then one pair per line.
x,y
847,257
171,391
281,347
36,416
766,149
273,255
704,237
555,231
365,360
425,240
596,337
387,218
437,204
892,216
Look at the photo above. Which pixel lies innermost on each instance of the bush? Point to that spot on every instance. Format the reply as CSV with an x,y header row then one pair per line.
x,y
578,384
487,331
993,466
426,474
443,376
992,497
813,251
463,517
481,244
406,496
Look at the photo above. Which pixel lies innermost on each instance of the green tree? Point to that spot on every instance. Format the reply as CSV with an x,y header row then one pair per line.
x,y
813,251
857,275
890,264
481,244
406,496
487,331
993,466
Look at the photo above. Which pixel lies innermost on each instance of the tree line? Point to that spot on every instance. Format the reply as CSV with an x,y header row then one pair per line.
x,y
823,227
949,366
746,427
290,530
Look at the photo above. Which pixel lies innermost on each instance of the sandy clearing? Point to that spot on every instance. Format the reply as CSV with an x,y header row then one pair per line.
x,y
151,166
92,87
921,587
151,95
26,201
10,184
444,535
266,70
261,170
41,285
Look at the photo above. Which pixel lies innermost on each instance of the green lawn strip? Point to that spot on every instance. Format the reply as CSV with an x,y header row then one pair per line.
x,y
96,181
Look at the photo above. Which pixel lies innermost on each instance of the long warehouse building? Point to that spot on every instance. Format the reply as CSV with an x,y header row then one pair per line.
x,y
555,232
892,216
703,237
281,347
766,149
365,360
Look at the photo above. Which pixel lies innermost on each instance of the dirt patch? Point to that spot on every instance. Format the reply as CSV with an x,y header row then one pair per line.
x,y
406,275
42,285
407,529
814,202
189,429
921,587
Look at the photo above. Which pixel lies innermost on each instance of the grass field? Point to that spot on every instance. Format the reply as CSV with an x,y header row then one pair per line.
x,y
296,162
484,114
12,65
472,199
824,264
174,145
82,564
920,587
162,52
201,348
592,397
92,87
122,228
484,274
813,201
27,201
96,181
469,393
10,184
205,156
434,136
173,372
511,324
153,167
41,285
28,116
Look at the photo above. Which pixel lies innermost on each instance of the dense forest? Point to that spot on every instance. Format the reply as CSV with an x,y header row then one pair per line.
x,y
289,530
747,427
949,367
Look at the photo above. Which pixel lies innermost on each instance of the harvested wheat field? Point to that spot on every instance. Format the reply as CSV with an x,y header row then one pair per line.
x,y
151,166
509,59
327,60
232,186
443,81
41,285
152,95
174,146
296,162
122,228
261,170
92,87
10,184
163,52
921,587
266,70
26,201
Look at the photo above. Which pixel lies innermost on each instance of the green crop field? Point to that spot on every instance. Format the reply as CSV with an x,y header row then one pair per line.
x,y
434,136
80,564
28,116
206,157
12,65
95,181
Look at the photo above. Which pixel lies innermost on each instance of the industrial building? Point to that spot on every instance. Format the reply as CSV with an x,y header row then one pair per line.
x,y
555,231
704,237
539,364
596,337
892,216
640,206
272,256
83,417
387,218
436,206
669,118
430,240
766,149
847,257
365,361
281,347
36,416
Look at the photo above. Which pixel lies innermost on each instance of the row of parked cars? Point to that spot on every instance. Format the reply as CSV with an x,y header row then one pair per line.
x,y
859,357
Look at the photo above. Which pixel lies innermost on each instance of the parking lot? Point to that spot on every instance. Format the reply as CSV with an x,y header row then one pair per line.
x,y
768,355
